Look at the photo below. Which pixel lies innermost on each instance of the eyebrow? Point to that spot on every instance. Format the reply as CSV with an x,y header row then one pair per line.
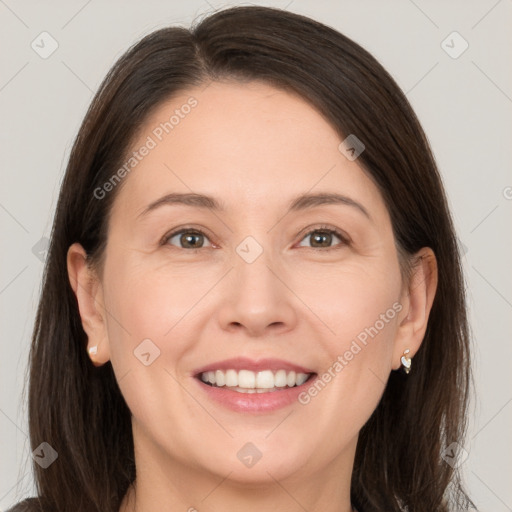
x,y
299,203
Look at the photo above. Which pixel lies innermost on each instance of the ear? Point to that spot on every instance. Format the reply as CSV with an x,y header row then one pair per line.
x,y
89,294
417,299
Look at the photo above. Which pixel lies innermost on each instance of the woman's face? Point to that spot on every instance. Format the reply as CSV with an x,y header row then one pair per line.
x,y
256,285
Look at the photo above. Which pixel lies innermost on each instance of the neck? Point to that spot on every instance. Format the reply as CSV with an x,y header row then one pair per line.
x,y
164,483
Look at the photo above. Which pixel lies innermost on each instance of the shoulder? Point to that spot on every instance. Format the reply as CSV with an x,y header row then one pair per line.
x,y
28,505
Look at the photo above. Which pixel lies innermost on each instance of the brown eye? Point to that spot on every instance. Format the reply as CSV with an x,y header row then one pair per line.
x,y
323,238
188,239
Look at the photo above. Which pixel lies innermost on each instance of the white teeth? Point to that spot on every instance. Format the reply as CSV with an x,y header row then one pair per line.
x,y
246,381
301,378
220,378
231,378
280,379
265,379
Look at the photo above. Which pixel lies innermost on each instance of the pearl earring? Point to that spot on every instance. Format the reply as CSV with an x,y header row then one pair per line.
x,y
93,350
406,361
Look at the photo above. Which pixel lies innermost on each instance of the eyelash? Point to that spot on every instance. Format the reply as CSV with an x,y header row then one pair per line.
x,y
323,228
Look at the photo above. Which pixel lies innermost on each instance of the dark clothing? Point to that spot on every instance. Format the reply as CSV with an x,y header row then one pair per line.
x,y
28,505
33,505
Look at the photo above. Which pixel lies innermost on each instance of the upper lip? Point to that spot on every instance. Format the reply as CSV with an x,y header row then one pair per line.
x,y
244,363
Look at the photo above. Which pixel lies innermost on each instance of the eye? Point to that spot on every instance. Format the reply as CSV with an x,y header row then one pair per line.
x,y
323,236
187,238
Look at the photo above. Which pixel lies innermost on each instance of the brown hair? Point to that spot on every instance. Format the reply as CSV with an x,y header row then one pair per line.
x,y
78,409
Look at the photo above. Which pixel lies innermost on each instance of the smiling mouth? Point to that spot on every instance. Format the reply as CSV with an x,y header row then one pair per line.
x,y
247,381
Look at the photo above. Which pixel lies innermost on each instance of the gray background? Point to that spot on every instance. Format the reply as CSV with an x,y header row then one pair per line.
x,y
463,103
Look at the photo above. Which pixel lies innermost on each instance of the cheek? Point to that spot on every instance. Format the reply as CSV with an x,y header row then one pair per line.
x,y
147,309
151,311
151,301
352,381
356,299
359,310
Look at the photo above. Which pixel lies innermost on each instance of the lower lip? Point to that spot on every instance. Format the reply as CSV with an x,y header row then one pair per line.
x,y
254,402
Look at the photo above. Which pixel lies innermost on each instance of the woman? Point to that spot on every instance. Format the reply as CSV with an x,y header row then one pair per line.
x,y
253,297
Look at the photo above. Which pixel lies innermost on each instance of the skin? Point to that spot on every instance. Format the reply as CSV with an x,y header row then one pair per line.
x,y
255,148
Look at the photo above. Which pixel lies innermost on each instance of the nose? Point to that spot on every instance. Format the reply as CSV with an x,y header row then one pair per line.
x,y
257,299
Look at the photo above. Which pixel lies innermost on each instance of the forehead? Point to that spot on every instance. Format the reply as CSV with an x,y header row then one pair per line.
x,y
249,142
